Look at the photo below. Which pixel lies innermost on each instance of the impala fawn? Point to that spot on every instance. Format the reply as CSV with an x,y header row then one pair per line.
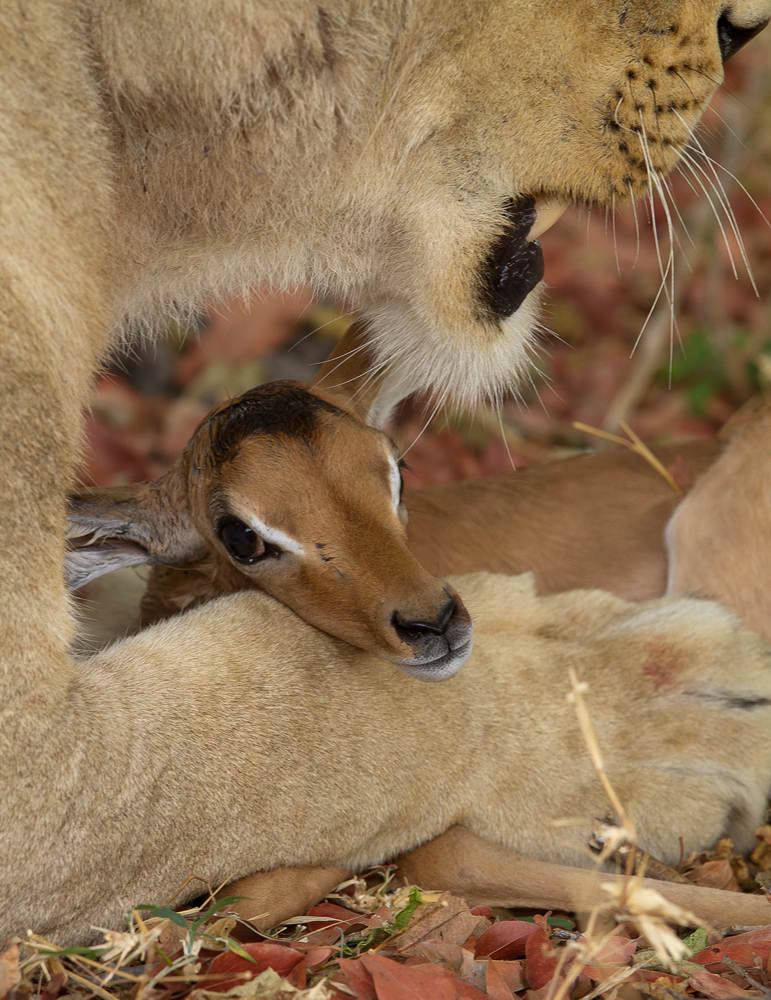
x,y
288,489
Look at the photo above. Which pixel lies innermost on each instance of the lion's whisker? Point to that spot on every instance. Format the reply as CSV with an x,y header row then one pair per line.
x,y
729,96
673,328
615,234
698,174
666,192
685,83
687,179
636,226
665,272
717,182
700,153
499,414
654,186
429,420
735,179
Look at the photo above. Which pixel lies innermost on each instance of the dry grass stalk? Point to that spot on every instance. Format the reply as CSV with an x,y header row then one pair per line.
x,y
636,445
576,697
633,903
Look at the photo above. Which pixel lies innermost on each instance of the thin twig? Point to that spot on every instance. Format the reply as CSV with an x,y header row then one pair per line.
x,y
576,696
636,445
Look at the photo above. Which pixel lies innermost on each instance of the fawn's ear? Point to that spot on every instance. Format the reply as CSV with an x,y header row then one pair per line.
x,y
352,375
114,527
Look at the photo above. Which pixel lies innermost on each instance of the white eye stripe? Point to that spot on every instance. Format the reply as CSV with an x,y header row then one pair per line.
x,y
276,537
396,482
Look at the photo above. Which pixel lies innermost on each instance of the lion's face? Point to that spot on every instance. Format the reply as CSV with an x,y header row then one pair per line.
x,y
591,103
395,151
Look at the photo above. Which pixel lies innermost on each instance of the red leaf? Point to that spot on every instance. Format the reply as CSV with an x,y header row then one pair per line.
x,y
482,911
497,986
714,986
616,951
334,912
541,963
358,977
511,974
316,957
398,982
266,955
715,874
9,970
339,918
614,954
654,976
504,940
465,991
54,987
750,950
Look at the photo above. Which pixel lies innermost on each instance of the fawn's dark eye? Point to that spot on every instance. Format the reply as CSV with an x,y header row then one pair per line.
x,y
240,540
244,544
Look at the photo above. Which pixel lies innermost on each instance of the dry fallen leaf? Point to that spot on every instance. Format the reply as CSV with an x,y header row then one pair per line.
x,y
761,856
9,969
235,970
505,939
541,960
716,987
448,919
399,982
715,874
504,979
749,950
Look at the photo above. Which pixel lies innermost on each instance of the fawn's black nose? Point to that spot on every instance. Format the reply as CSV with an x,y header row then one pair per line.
x,y
411,630
731,37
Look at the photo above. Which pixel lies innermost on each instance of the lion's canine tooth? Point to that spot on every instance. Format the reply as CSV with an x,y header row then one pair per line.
x,y
547,211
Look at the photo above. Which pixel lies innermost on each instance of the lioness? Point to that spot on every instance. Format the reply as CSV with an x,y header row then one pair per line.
x,y
155,152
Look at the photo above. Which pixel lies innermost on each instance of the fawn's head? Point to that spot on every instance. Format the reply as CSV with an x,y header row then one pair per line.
x,y
288,489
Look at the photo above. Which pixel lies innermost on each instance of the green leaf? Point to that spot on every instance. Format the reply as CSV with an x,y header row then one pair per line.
x,y
215,906
237,949
404,916
163,955
164,911
91,953
356,945
562,922
696,941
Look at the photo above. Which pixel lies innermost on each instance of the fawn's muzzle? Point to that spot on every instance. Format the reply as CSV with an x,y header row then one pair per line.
x,y
438,645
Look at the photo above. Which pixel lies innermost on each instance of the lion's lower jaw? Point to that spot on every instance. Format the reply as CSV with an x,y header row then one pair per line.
x,y
469,364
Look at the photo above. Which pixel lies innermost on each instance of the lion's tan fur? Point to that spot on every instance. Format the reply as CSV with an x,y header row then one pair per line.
x,y
331,756
151,154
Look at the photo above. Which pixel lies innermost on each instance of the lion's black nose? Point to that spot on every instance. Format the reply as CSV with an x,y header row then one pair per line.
x,y
731,37
411,630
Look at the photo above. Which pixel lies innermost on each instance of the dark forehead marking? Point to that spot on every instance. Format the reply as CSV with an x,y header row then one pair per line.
x,y
286,410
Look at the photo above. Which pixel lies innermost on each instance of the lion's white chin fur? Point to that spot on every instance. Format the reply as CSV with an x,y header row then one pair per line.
x,y
469,365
